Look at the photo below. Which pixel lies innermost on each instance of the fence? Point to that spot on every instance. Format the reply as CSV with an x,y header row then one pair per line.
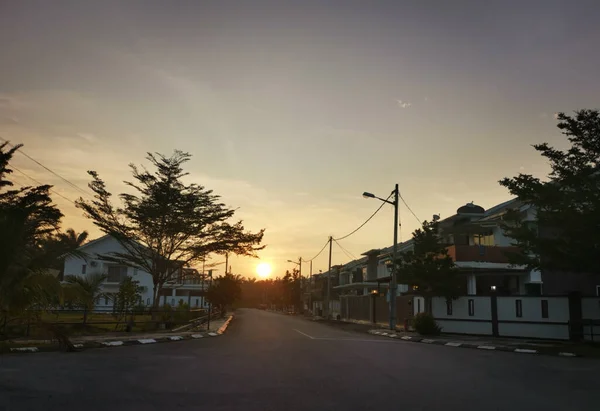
x,y
374,308
73,322
549,317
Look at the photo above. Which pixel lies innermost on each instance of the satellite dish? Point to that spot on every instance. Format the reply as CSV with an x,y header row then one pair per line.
x,y
436,217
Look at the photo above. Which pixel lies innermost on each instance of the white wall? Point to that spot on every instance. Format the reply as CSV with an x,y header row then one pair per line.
x,y
460,308
590,308
558,309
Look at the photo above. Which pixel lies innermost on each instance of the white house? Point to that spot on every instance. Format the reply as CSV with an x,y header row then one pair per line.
x,y
188,286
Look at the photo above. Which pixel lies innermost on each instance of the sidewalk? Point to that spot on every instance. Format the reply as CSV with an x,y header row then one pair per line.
x,y
217,327
517,345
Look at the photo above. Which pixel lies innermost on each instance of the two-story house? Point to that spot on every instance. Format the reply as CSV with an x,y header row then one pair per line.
x,y
187,286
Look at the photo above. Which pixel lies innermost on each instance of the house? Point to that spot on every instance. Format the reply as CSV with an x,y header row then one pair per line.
x,y
187,286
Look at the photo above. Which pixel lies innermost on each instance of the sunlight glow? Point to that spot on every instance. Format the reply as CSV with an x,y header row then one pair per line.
x,y
263,270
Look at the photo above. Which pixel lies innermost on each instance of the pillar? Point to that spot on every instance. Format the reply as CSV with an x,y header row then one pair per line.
x,y
471,284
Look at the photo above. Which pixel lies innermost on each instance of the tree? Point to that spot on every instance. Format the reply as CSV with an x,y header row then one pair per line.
x,y
167,224
565,235
428,268
127,298
224,291
59,245
85,291
27,216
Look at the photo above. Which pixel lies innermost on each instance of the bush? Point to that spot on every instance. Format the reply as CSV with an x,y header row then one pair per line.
x,y
425,324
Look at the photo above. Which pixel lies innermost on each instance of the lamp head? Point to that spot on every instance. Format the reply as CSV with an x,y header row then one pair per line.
x,y
368,195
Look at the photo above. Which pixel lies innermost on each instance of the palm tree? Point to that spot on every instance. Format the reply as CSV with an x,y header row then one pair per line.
x,y
84,291
71,240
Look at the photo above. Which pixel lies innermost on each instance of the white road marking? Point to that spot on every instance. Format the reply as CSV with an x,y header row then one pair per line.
x,y
525,350
197,336
25,349
486,347
426,341
566,354
113,343
213,334
353,339
306,335
175,338
147,341
406,338
453,344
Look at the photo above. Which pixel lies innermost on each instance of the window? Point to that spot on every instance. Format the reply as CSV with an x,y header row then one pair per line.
x,y
544,308
519,308
148,301
83,268
197,300
471,307
598,291
116,273
448,307
172,302
106,300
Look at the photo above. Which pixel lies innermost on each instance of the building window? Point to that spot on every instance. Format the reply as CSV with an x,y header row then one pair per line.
x,y
598,291
172,302
106,300
519,308
83,268
544,308
147,301
471,307
116,273
197,300
448,307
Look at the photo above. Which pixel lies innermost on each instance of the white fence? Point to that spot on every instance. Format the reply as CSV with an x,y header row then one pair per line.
x,y
517,316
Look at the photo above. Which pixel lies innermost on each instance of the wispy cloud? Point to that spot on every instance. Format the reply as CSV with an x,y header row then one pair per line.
x,y
403,104
89,137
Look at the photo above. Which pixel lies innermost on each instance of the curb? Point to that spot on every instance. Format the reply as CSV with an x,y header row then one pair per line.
x,y
469,345
122,343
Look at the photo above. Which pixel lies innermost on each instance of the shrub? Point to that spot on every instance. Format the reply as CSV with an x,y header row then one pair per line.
x,y
425,324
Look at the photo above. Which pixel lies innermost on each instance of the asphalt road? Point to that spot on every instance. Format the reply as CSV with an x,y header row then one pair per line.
x,y
269,361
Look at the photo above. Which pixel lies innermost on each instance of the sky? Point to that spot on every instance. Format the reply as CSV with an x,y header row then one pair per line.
x,y
292,109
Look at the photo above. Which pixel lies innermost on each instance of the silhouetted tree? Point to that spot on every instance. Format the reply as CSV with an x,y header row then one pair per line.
x,y
167,224
565,234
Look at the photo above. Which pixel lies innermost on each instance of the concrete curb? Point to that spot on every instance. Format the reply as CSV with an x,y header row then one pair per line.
x,y
469,345
121,343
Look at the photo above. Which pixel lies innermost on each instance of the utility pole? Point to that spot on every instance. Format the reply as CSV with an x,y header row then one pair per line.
x,y
226,262
326,311
300,283
310,289
394,280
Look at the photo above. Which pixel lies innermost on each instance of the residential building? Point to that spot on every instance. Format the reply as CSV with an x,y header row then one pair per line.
x,y
187,286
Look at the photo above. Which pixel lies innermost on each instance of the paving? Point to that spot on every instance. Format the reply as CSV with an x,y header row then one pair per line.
x,y
267,361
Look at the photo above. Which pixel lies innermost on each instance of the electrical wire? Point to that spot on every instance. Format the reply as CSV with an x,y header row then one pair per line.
x,y
48,169
37,182
368,219
348,253
319,253
411,211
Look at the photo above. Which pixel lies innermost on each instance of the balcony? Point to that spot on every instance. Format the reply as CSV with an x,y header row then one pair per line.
x,y
488,254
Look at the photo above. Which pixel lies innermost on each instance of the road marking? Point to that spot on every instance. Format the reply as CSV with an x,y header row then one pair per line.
x,y
426,341
406,338
25,349
197,336
306,335
486,347
525,350
213,334
566,354
453,344
113,343
175,338
147,341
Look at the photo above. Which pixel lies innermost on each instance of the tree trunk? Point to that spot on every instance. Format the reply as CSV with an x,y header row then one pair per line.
x,y
85,315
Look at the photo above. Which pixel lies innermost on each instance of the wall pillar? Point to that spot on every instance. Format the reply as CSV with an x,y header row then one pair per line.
x,y
471,284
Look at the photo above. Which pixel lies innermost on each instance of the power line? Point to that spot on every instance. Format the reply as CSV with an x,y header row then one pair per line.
x,y
319,253
36,181
411,211
348,253
368,219
48,169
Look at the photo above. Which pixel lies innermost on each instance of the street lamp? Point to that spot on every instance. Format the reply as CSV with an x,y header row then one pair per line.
x,y
393,280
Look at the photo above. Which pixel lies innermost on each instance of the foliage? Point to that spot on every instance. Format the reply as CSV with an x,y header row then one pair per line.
x,y
425,324
428,267
128,296
59,245
567,205
27,216
85,291
224,291
168,224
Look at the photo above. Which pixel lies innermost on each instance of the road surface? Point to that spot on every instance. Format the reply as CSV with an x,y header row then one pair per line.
x,y
269,361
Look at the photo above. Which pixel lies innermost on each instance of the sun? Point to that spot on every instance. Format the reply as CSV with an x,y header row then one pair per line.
x,y
263,270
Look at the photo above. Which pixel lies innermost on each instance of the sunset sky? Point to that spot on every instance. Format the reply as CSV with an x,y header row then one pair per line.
x,y
291,109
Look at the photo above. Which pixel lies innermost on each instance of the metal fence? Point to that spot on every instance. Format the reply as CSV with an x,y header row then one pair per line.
x,y
40,324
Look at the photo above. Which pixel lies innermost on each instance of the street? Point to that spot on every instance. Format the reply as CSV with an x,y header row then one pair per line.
x,y
269,361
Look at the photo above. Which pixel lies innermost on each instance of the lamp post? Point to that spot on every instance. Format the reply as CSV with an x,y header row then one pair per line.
x,y
209,302
393,280
299,264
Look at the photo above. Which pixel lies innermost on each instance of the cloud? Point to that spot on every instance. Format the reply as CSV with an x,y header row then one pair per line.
x,y
89,137
403,104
